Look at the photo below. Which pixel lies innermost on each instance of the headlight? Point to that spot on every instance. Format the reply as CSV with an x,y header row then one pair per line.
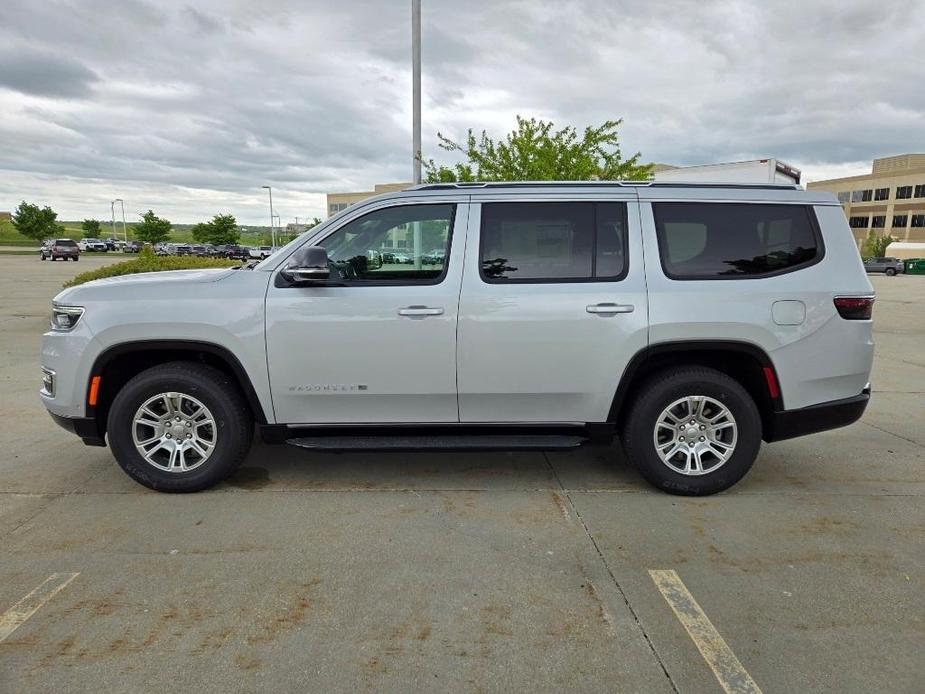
x,y
65,317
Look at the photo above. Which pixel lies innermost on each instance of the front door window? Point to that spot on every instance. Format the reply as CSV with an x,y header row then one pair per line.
x,y
408,244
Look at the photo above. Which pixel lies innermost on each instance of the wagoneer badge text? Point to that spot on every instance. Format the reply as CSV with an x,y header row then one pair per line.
x,y
327,388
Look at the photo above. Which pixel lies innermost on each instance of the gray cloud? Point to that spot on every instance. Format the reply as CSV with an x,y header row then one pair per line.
x,y
43,73
192,108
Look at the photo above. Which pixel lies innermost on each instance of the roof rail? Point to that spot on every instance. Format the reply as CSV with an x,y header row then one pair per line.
x,y
599,184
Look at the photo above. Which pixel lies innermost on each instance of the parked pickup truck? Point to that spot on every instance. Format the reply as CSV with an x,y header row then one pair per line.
x,y
536,321
92,245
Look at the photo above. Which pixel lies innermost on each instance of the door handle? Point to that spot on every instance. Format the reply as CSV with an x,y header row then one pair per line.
x,y
608,309
420,311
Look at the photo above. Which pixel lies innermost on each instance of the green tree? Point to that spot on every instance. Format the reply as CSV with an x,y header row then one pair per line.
x,y
875,245
152,229
91,228
201,232
534,151
36,223
223,229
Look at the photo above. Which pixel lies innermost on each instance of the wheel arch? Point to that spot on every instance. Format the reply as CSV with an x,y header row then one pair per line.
x,y
744,361
117,364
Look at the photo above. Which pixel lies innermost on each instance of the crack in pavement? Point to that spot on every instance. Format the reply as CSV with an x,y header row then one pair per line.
x,y
613,578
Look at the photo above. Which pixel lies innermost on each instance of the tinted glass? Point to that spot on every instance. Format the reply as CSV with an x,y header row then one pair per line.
x,y
65,242
715,240
553,241
365,249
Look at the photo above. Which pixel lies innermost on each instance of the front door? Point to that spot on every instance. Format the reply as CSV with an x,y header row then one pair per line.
x,y
381,347
553,307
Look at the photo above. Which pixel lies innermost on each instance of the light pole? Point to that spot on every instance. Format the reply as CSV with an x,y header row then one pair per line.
x,y
124,232
416,88
416,118
112,208
272,231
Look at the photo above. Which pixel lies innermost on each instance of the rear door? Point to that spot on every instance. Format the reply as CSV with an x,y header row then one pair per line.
x,y
553,306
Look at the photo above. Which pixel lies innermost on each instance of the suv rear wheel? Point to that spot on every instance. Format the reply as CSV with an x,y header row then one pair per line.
x,y
180,427
692,431
890,272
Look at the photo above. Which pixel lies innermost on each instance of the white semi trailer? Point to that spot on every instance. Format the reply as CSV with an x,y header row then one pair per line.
x,y
753,171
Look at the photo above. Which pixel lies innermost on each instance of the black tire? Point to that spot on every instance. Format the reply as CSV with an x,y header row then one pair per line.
x,y
42,256
890,272
665,388
234,424
76,258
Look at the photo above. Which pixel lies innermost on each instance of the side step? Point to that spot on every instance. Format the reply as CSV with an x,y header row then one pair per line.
x,y
486,442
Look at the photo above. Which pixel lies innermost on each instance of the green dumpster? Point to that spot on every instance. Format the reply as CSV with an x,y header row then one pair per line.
x,y
915,266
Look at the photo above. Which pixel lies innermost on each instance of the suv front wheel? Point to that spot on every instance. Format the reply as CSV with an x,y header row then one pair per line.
x,y
692,431
180,427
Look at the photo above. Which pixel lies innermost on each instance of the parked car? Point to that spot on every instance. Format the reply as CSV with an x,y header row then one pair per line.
x,y
235,252
59,248
182,249
748,318
133,247
434,257
261,252
396,257
92,245
888,266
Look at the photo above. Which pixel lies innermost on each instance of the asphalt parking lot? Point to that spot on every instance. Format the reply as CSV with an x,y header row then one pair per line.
x,y
463,572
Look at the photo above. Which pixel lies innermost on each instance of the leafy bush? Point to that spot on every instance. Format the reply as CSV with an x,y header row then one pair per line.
x,y
148,262
875,245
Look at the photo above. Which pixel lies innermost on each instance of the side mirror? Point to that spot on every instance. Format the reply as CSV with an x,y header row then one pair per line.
x,y
308,265
373,260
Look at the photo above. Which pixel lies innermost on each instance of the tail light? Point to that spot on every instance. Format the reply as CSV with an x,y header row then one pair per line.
x,y
855,307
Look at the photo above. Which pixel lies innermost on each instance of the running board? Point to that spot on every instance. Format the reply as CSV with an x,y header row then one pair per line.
x,y
488,442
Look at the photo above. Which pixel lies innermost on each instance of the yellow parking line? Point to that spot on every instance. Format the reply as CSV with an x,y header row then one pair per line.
x,y
729,671
29,605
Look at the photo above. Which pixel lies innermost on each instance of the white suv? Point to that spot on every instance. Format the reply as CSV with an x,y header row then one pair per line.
x,y
692,321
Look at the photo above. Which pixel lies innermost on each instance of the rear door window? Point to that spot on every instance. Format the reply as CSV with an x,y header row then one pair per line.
x,y
553,242
733,240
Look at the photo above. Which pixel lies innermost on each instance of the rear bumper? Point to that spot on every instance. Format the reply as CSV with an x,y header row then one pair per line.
x,y
85,427
789,424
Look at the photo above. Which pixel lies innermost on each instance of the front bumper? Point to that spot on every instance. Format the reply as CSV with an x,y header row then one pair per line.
x,y
788,424
85,427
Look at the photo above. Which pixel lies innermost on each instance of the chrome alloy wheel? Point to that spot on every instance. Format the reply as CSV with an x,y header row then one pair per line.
x,y
174,432
695,435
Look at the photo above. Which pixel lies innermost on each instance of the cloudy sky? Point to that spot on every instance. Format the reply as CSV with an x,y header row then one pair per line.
x,y
188,108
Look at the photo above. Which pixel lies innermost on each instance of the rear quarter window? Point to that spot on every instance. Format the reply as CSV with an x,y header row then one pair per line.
x,y
701,241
